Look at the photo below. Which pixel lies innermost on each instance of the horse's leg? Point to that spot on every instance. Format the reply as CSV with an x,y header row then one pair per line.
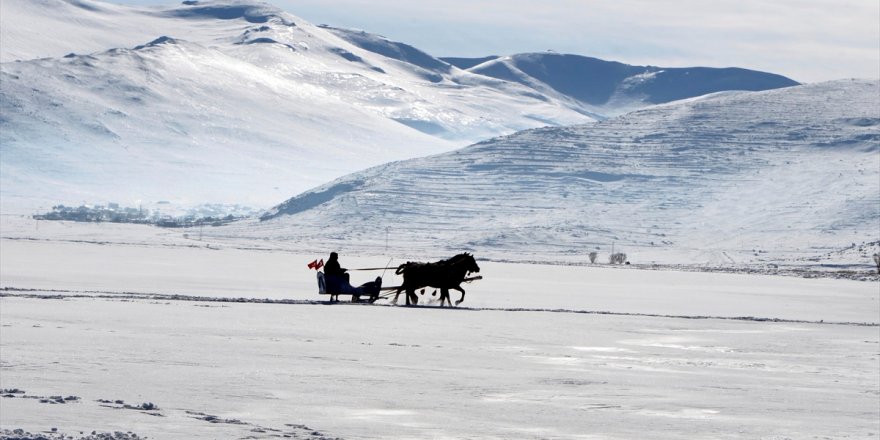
x,y
397,295
444,296
408,291
458,288
411,297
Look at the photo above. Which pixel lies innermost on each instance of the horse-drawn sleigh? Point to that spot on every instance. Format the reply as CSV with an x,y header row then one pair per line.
x,y
443,275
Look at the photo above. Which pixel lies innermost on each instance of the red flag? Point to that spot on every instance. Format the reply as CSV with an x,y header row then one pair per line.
x,y
313,265
320,264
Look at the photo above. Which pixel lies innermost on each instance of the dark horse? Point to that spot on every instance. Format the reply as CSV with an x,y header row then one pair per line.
x,y
443,274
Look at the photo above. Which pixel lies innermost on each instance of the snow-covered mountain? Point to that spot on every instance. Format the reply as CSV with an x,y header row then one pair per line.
x,y
226,101
611,88
229,101
723,178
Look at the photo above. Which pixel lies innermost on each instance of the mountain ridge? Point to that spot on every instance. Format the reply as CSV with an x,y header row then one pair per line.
x,y
596,83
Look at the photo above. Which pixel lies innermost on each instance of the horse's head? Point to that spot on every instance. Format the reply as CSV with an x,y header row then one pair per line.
x,y
469,262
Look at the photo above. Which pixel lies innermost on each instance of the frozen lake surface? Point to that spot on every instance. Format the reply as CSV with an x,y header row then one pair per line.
x,y
534,352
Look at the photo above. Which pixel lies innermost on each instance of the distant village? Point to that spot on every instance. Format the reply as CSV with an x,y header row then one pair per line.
x,y
210,215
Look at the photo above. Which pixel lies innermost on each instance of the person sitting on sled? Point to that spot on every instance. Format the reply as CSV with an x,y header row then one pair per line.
x,y
333,269
338,281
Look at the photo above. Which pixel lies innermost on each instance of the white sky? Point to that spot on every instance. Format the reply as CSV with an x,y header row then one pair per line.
x,y
806,40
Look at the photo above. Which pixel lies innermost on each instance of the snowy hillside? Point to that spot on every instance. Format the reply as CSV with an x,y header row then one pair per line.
x,y
231,101
729,178
223,101
613,88
174,120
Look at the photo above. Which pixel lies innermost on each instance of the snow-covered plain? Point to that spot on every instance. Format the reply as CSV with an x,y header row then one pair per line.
x,y
233,342
219,332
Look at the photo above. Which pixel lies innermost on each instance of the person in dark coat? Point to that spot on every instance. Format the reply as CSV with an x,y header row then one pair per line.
x,y
337,276
333,269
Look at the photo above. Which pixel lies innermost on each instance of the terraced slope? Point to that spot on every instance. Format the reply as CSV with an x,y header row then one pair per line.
x,y
727,178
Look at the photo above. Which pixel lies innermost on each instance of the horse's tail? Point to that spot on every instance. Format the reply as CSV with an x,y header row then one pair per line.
x,y
401,268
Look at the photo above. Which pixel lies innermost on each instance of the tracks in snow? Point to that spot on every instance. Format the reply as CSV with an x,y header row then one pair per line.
x,y
116,295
